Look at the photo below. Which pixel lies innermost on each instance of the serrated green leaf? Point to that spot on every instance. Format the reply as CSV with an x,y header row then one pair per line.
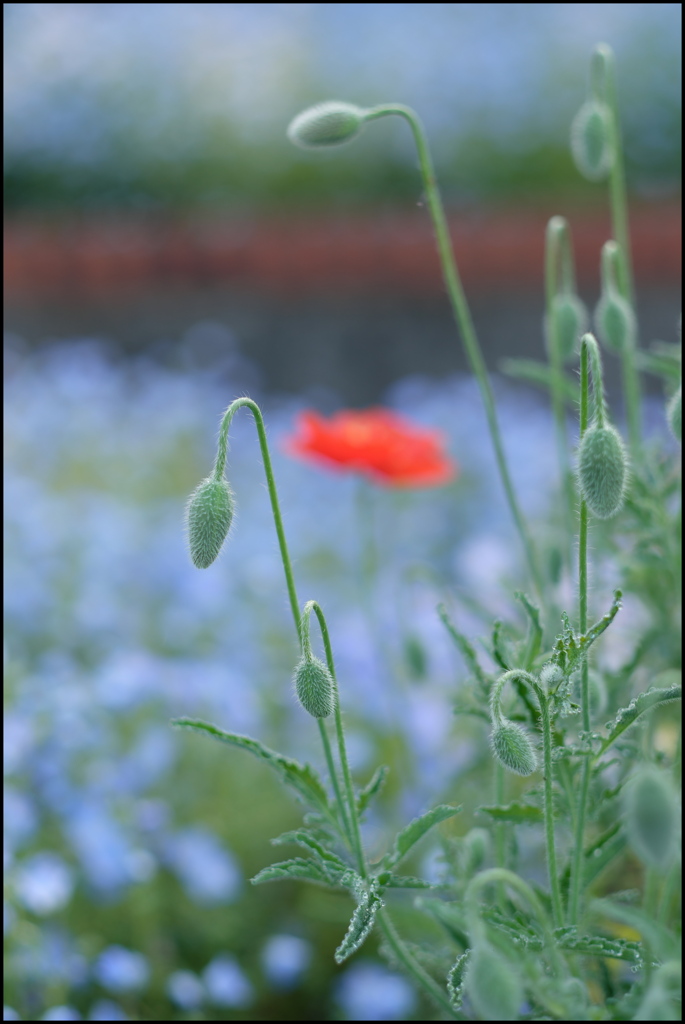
x,y
628,715
298,867
329,861
300,777
390,881
534,638
661,941
361,924
466,649
414,831
372,787
517,814
455,980
599,945
540,374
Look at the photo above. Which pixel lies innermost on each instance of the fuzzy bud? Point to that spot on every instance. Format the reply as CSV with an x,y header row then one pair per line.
x,y
602,470
550,675
326,124
314,687
513,748
674,414
492,984
591,143
651,816
615,321
209,514
569,321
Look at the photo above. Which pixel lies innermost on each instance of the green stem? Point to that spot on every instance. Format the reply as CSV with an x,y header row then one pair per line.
x,y
577,864
463,318
352,823
559,277
413,967
219,467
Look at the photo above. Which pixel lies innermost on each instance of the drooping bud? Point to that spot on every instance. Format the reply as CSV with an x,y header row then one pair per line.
x,y
326,124
602,470
674,414
651,816
569,319
209,514
591,140
615,321
314,687
512,748
492,984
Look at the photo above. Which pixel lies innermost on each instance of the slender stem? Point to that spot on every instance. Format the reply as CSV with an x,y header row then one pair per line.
x,y
500,831
606,71
549,810
463,318
413,967
577,864
353,821
219,467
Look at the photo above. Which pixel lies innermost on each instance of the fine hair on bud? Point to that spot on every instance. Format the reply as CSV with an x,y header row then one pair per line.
x,y
591,142
209,514
651,815
326,124
674,414
493,985
615,321
569,320
602,470
550,675
512,748
314,687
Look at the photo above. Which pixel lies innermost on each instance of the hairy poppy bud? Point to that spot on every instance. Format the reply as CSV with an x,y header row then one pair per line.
x,y
651,816
591,143
615,321
314,687
602,468
674,414
513,748
209,514
569,320
326,124
492,984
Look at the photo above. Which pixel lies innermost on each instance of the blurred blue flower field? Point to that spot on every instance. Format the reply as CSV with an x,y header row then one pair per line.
x,y
128,846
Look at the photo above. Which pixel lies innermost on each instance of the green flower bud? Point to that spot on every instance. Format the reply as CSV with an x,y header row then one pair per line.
x,y
209,514
615,321
651,816
602,470
492,984
569,320
314,687
591,143
326,124
674,414
512,748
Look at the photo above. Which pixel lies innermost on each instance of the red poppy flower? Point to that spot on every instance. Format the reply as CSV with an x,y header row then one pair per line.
x,y
375,442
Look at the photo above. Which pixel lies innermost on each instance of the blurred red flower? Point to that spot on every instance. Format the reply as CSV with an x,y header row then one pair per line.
x,y
389,449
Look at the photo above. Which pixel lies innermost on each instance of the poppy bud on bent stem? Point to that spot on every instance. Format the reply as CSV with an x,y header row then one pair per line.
x,y
209,514
314,687
602,468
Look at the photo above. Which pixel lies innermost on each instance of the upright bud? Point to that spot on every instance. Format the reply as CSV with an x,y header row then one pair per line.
x,y
591,140
602,470
615,321
492,984
569,319
674,414
513,748
651,816
314,686
209,514
326,124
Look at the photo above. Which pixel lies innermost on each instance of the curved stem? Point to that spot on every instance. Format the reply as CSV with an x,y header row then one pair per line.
x,y
577,863
463,318
219,467
413,967
351,822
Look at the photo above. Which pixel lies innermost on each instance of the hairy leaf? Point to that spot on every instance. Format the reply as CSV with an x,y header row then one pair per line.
x,y
414,831
599,945
372,787
361,923
643,702
328,860
300,777
517,814
298,867
467,651
455,979
390,881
